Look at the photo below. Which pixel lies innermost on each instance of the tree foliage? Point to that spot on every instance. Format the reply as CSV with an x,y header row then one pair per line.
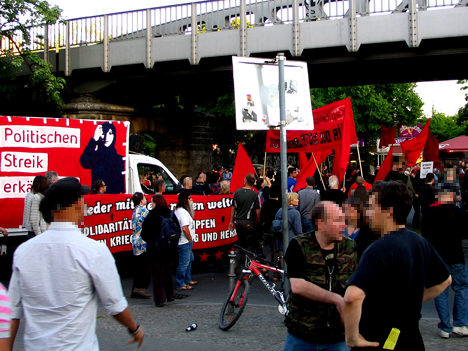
x,y
17,17
445,127
224,131
462,119
373,105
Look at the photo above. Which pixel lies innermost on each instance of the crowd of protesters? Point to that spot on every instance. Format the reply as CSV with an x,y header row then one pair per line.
x,y
343,278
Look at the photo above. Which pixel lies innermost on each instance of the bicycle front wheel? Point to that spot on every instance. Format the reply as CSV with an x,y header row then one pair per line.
x,y
234,305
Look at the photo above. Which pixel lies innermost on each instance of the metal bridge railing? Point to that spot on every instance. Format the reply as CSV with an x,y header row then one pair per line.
x,y
211,16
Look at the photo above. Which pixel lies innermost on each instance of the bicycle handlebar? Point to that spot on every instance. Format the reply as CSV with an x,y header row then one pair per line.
x,y
255,256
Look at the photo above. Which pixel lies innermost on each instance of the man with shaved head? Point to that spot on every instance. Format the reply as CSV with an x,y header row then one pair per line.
x,y
320,263
359,181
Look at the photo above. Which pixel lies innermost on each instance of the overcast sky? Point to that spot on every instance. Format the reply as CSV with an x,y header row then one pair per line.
x,y
445,96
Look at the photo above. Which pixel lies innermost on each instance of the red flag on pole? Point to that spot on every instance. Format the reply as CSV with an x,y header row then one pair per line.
x,y
348,137
412,148
302,160
242,167
310,168
386,166
431,150
387,136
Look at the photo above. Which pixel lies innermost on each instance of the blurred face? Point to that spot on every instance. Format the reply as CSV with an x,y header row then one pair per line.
x,y
81,210
334,223
109,138
446,196
376,215
103,188
351,214
295,202
143,202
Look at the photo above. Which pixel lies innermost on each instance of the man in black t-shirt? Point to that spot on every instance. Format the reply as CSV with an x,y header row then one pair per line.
x,y
396,274
444,227
245,210
334,194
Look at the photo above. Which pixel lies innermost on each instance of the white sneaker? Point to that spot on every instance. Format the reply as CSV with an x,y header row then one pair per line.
x,y
444,334
460,330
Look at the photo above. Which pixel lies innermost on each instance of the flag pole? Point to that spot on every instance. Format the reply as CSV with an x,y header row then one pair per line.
x,y
280,58
264,165
318,170
359,157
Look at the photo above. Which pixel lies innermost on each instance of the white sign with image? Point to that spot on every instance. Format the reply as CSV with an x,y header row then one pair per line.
x,y
426,167
257,94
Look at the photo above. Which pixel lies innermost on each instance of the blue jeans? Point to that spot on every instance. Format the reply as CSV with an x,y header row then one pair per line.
x,y
184,271
296,344
307,225
460,307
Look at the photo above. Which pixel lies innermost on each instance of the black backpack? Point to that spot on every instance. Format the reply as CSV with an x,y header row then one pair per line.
x,y
170,232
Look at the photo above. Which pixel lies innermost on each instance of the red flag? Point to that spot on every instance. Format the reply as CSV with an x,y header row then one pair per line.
x,y
302,160
431,150
387,136
412,148
242,167
328,124
386,166
348,137
310,168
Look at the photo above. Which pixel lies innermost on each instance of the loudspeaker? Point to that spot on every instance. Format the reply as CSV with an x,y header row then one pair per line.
x,y
136,143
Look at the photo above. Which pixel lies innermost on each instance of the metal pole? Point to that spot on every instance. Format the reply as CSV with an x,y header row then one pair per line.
x,y
284,159
320,171
46,43
243,29
359,157
67,49
232,270
148,38
106,43
195,34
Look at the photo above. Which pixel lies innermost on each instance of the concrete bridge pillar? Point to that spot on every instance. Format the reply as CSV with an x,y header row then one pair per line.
x,y
87,106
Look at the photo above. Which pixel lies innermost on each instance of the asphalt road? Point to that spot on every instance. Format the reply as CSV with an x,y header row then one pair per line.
x,y
259,328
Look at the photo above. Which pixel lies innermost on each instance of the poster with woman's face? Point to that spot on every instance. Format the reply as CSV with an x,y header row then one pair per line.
x,y
84,149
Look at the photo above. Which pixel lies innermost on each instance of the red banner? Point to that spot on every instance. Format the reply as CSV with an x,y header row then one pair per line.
x,y
328,122
109,220
85,149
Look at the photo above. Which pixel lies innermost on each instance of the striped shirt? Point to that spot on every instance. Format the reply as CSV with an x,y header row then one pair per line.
x,y
5,313
32,217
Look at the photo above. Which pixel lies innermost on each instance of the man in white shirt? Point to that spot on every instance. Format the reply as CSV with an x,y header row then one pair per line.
x,y
59,276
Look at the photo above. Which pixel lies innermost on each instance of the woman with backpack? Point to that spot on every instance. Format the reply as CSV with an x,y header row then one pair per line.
x,y
161,253
184,212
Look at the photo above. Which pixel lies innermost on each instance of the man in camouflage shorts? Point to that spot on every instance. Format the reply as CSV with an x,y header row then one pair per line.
x,y
320,263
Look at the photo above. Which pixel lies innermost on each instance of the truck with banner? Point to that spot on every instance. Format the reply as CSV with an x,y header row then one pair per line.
x,y
90,150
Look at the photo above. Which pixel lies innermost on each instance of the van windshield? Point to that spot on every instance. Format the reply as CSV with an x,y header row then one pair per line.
x,y
154,179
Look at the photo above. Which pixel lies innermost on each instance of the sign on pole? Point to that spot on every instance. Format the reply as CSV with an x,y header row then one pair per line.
x,y
426,167
257,94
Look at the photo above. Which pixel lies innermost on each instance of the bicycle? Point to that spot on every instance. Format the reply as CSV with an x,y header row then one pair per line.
x,y
237,299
